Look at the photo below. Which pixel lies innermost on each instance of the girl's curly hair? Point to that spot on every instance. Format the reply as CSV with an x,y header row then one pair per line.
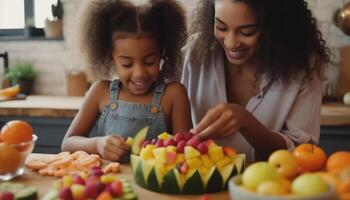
x,y
102,20
290,42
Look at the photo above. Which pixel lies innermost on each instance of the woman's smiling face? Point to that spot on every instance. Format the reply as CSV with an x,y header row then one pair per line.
x,y
237,30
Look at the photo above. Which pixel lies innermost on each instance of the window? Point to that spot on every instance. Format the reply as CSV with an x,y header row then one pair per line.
x,y
16,14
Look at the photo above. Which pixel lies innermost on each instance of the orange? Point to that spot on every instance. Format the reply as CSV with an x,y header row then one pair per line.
x,y
16,131
10,159
338,161
310,157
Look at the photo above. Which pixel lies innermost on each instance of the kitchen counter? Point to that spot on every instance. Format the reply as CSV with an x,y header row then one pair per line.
x,y
332,114
335,114
43,183
42,106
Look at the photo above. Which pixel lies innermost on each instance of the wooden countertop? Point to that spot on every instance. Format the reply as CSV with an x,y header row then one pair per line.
x,y
42,106
332,114
43,183
335,114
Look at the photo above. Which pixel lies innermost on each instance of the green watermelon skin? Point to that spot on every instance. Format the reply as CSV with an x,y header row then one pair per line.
x,y
193,185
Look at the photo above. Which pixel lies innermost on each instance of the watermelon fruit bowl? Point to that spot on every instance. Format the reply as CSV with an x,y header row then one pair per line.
x,y
183,163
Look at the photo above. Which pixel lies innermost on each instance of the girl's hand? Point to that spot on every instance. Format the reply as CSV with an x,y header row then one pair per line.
x,y
112,147
220,121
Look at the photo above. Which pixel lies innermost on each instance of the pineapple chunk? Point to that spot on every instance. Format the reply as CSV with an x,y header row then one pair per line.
x,y
168,167
160,155
206,161
180,157
191,152
215,153
194,163
223,162
203,171
164,136
147,152
171,148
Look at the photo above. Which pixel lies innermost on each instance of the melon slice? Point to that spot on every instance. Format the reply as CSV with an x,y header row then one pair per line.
x,y
138,140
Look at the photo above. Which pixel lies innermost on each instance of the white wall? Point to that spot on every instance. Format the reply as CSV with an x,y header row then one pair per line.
x,y
54,58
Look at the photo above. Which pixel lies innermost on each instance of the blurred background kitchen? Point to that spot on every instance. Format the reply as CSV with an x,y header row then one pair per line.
x,y
54,58
60,71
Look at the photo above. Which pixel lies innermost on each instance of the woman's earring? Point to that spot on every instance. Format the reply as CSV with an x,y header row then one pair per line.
x,y
161,63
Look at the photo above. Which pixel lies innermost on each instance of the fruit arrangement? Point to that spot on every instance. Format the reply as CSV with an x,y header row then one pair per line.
x,y
12,191
16,142
304,172
94,184
183,163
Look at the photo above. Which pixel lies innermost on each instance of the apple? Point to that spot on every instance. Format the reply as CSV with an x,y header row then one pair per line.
x,y
257,173
346,98
309,184
271,188
310,157
285,163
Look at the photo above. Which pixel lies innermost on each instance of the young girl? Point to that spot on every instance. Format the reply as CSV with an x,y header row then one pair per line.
x,y
141,44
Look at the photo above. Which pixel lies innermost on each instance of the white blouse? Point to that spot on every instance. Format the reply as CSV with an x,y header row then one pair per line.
x,y
293,110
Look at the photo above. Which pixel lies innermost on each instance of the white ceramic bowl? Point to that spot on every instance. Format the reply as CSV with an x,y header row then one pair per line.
x,y
24,148
237,193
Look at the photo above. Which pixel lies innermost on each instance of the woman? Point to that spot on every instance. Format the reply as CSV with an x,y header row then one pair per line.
x,y
253,71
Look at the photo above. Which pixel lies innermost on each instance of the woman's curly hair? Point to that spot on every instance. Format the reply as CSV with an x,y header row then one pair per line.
x,y
290,42
102,20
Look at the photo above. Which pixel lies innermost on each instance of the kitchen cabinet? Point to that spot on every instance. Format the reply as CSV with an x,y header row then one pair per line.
x,y
335,127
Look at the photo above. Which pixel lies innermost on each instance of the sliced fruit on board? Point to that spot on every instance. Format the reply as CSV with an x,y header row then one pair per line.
x,y
138,140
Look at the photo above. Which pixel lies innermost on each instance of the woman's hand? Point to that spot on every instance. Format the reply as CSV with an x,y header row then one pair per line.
x,y
112,147
220,121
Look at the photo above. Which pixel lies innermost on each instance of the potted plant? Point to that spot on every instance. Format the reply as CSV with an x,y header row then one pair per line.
x,y
54,27
22,73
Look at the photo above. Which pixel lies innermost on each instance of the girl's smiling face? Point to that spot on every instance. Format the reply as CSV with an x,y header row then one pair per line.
x,y
137,62
236,29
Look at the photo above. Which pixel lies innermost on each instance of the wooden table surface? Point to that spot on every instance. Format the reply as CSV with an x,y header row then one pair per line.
x,y
43,183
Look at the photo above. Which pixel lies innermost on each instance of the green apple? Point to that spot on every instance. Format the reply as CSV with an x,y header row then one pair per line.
x,y
271,188
346,98
285,163
257,173
309,184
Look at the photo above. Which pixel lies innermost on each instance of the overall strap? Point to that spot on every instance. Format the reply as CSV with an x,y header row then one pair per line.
x,y
114,92
157,95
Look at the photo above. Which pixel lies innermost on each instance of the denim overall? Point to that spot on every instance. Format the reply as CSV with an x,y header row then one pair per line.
x,y
127,118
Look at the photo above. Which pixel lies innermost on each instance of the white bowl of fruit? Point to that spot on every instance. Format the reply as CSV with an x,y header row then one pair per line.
x,y
182,164
284,177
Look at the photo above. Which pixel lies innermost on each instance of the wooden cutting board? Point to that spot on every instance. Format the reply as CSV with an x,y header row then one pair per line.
x,y
343,85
